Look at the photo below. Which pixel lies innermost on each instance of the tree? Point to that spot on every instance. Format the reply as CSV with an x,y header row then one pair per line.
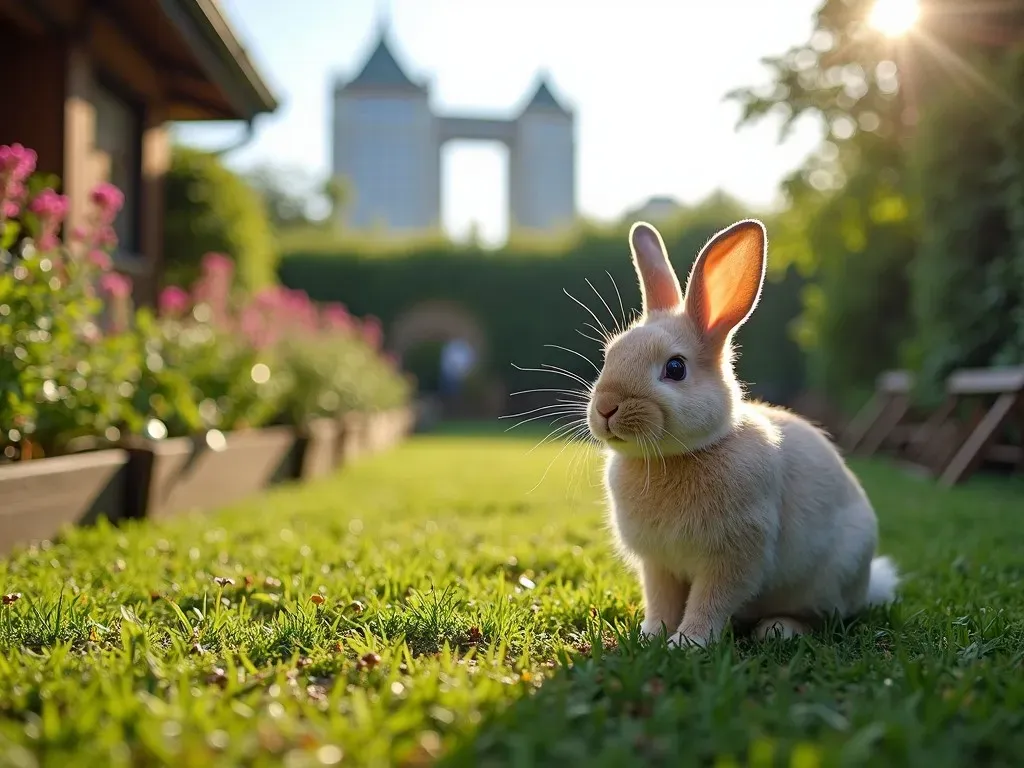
x,y
210,208
909,217
285,194
849,221
338,192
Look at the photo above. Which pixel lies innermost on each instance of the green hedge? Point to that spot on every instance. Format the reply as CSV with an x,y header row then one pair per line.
x,y
516,294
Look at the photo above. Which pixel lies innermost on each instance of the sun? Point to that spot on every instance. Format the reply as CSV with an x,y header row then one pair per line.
x,y
894,17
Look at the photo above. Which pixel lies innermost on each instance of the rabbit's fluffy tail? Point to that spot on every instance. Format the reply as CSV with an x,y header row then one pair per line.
x,y
883,583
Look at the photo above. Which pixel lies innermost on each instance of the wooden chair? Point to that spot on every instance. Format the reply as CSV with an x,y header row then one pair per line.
x,y
953,449
880,421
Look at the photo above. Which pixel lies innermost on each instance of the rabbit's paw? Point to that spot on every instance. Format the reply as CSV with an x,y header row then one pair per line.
x,y
651,629
781,627
693,640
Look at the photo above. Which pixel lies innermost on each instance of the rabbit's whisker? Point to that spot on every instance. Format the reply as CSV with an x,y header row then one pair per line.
x,y
615,323
649,432
550,463
684,446
549,367
555,370
591,338
602,331
560,403
605,336
560,432
555,418
622,309
579,467
578,354
584,395
642,441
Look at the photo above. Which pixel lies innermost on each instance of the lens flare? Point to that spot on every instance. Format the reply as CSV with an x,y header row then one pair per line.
x,y
894,17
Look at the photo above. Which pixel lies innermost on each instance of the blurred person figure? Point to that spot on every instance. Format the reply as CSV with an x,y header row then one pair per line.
x,y
457,360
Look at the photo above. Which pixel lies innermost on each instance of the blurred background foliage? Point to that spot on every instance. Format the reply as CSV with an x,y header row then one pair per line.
x,y
899,243
210,209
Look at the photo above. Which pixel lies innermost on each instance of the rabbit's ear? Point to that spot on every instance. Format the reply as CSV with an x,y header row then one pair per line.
x,y
725,282
658,282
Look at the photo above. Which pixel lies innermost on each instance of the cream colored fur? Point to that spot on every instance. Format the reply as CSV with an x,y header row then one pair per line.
x,y
730,510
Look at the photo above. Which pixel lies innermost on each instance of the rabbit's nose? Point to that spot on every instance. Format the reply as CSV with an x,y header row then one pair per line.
x,y
606,405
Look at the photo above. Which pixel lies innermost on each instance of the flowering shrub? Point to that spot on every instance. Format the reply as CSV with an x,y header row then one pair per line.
x,y
61,377
336,359
294,361
77,363
199,371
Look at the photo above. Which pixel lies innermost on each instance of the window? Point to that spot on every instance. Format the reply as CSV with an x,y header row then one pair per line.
x,y
119,139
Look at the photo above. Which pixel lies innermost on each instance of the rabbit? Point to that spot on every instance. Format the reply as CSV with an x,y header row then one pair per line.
x,y
730,510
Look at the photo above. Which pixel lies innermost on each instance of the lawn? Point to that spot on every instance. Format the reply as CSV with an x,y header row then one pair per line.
x,y
444,604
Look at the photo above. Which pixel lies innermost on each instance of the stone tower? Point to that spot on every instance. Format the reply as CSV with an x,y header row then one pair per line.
x,y
542,164
387,142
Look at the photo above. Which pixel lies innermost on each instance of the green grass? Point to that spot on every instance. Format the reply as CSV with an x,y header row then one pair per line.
x,y
466,620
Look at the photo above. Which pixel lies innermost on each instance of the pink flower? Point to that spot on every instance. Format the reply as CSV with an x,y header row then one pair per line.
x,y
115,285
213,287
79,234
100,259
336,317
51,208
258,329
106,237
267,298
17,162
16,165
108,198
372,331
48,204
174,301
218,264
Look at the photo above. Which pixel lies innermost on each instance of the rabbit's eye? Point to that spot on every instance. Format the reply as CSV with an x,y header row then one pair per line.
x,y
675,369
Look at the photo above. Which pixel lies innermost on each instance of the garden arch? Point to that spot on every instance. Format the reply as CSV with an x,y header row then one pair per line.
x,y
436,320
439,321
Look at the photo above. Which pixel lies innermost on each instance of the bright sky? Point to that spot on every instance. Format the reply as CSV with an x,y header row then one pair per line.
x,y
646,77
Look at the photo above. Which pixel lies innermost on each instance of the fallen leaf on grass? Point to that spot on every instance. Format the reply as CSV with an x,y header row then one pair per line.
x,y
369,661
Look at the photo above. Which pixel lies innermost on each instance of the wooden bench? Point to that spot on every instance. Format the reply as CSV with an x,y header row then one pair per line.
x,y
952,448
880,421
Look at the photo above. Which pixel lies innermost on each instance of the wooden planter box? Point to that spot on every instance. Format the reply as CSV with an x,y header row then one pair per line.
x,y
378,431
353,437
38,498
363,434
316,447
170,477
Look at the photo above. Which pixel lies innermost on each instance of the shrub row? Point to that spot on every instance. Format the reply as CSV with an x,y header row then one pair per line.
x,y
80,368
517,296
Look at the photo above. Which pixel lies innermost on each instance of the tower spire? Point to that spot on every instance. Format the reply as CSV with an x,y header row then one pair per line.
x,y
383,18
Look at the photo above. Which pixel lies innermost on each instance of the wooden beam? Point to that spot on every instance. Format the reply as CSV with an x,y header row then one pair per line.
x,y
986,381
895,409
862,423
970,454
872,425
